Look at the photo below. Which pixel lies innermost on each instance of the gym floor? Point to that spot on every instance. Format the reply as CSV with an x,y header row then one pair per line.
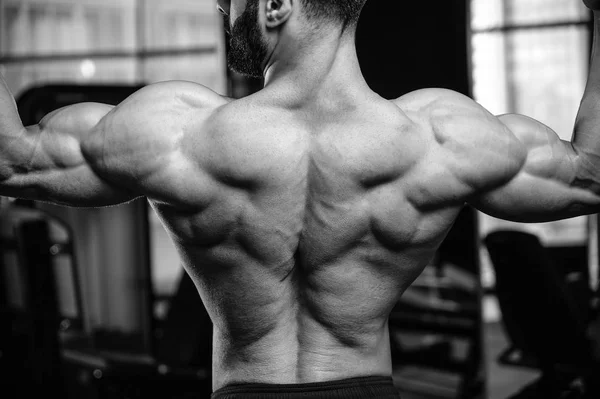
x,y
502,381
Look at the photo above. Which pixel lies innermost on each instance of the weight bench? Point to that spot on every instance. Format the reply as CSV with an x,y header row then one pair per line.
x,y
545,324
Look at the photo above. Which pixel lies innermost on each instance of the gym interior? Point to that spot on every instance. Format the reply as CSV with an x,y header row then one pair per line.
x,y
95,304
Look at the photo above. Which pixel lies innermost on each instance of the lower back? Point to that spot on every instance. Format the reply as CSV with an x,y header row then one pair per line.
x,y
300,350
323,325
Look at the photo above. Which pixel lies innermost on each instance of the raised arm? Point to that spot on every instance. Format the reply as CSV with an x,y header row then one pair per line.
x,y
556,181
559,179
48,162
93,155
511,166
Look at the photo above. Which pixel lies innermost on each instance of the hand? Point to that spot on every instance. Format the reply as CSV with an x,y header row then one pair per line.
x,y
592,4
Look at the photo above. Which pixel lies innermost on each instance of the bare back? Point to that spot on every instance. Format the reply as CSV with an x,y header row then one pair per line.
x,y
307,237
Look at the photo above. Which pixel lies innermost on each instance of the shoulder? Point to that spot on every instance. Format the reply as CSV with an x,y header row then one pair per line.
x,y
439,105
454,118
458,123
153,139
466,140
161,111
171,94
152,122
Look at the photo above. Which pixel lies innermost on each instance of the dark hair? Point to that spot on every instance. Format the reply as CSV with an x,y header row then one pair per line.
x,y
345,12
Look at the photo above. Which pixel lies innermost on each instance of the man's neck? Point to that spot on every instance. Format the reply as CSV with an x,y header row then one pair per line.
x,y
326,70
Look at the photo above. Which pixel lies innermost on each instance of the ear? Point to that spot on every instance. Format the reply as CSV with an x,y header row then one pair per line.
x,y
278,12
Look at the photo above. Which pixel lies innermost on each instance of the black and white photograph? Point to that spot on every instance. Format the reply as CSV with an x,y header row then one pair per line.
x,y
300,199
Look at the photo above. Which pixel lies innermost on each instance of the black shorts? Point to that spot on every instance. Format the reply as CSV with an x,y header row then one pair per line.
x,y
352,388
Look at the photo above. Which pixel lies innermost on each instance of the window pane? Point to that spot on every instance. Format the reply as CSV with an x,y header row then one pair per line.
x,y
537,72
55,27
201,68
191,25
181,24
497,13
20,76
37,27
544,11
547,71
489,77
487,14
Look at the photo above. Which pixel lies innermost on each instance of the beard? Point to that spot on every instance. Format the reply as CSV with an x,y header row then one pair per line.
x,y
247,48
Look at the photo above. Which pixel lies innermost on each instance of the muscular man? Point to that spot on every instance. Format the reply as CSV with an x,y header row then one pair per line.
x,y
302,212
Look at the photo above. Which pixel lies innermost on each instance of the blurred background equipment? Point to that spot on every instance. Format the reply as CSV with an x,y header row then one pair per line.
x,y
546,312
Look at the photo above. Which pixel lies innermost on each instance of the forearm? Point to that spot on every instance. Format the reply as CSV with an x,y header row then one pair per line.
x,y
11,130
586,135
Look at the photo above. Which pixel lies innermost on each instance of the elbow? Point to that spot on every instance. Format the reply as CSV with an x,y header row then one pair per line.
x,y
586,173
6,171
17,152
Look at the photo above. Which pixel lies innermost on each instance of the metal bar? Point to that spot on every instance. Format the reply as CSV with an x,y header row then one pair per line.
x,y
113,54
521,27
61,249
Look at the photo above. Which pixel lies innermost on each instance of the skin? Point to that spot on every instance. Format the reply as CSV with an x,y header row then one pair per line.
x,y
303,212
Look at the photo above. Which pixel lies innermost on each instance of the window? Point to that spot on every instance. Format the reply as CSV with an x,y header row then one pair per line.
x,y
110,41
531,57
129,42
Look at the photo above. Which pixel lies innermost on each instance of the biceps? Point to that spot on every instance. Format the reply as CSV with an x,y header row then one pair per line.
x,y
546,188
48,163
56,141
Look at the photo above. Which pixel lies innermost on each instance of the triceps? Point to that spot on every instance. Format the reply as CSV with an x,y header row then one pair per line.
x,y
43,158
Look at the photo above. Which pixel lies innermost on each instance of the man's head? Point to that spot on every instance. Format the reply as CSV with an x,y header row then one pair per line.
x,y
253,22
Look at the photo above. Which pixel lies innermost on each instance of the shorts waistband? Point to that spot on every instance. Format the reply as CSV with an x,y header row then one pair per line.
x,y
351,388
